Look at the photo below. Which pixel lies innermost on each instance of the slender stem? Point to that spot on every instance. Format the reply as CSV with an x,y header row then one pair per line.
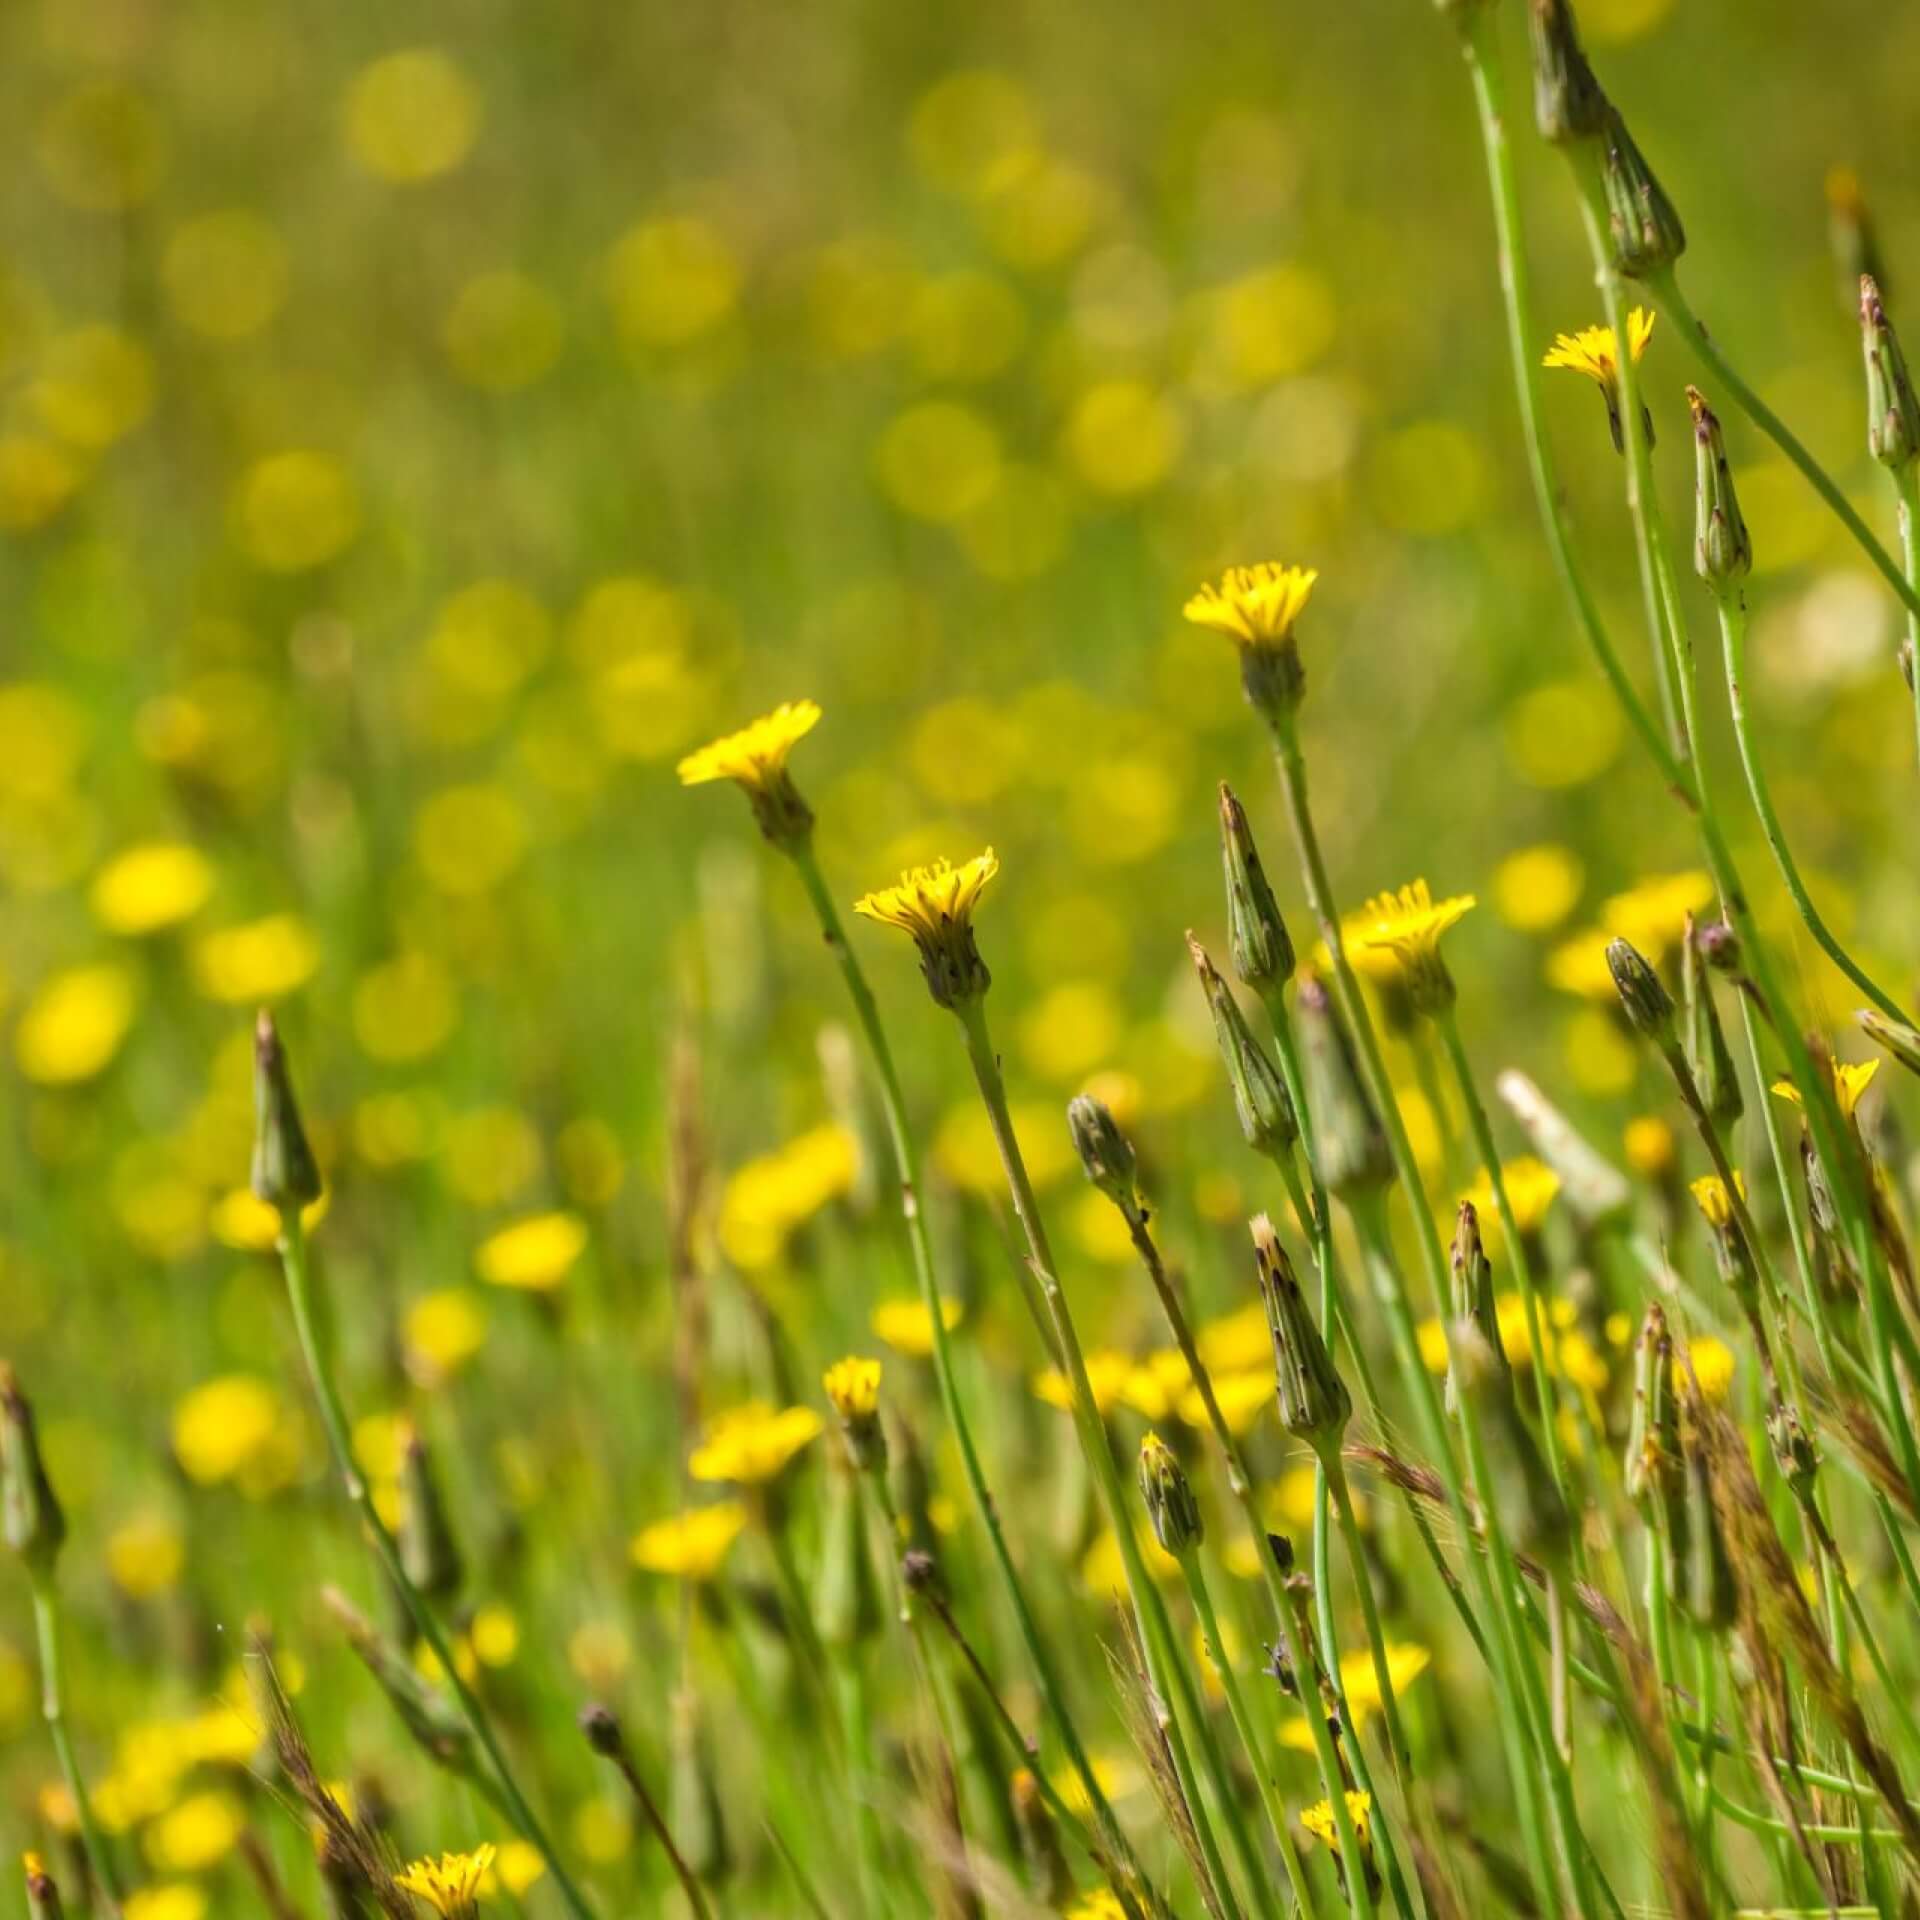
x,y
1397,1743
293,1259
1733,638
920,1243
1834,1836
690,1886
46,1626
1665,291
857,1721
1906,481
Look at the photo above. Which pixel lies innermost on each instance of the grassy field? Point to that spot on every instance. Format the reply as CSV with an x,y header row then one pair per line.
x,y
420,438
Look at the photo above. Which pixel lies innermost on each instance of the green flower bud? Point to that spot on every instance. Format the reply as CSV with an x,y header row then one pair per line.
x,y
1704,1040
1592,1186
1900,1040
1722,548
1707,1591
1314,1403
436,1725
43,1897
425,1536
1259,1094
1168,1492
1567,101
1654,1474
1893,412
1648,1005
284,1173
1348,1139
1528,1504
1647,234
34,1524
1105,1152
1472,1288
1257,941
846,1601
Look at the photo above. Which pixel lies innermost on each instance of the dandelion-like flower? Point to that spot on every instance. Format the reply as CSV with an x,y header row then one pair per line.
x,y
690,1545
1851,1079
753,1443
1711,1197
449,1885
1532,1187
853,1390
1408,926
1595,352
935,904
755,759
1257,607
1319,1821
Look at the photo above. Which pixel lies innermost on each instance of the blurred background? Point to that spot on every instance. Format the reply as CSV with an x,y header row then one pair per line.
x,y
416,433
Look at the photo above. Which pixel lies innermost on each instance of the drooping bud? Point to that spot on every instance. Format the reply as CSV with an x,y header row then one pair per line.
x,y
1047,1868
1893,411
846,1599
1900,1040
1472,1288
693,1801
1315,1405
1593,1187
35,1526
1654,1474
1567,101
43,1897
1646,230
1168,1492
1259,1094
1722,548
1704,1040
425,1535
1105,1152
1707,1590
284,1173
853,1390
1348,1140
1257,941
1519,1483
428,1715
1648,1005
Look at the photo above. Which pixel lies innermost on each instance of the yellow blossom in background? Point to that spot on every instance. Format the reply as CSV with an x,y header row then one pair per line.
x,y
470,838
766,1201
1103,1572
517,1867
147,888
1563,734
603,1831
1123,437
449,1885
442,1331
1319,1820
753,1443
240,1219
491,1155
1653,915
1648,1143
1241,1397
533,1255
411,116
1101,1904
93,387
1360,1682
197,1834
1236,1341
295,511
906,1326
1531,1186
1257,606
405,1010
145,1556
1850,1080
37,479
1536,888
179,1901
72,1027
1108,1372
261,960
671,280
966,1153
227,1427
692,1545
971,129
756,754
503,331
938,461
1071,1029
225,274
1713,1363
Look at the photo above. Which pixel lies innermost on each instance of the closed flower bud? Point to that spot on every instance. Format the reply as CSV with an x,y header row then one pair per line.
x,y
1315,1405
425,1536
1893,412
1646,230
602,1730
1654,1475
1519,1483
34,1524
1257,941
1722,549
1567,101
1168,1492
43,1897
441,1732
1704,1040
1105,1152
846,1600
1047,1869
1707,1591
1647,1003
1348,1140
1592,1186
284,1173
1259,1095
1900,1040
1472,1287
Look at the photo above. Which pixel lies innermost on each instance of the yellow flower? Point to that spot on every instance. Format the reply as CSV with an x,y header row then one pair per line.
x,y
755,759
1408,925
1531,1185
768,1198
935,904
1649,1145
1851,1079
1710,1195
222,1426
1241,1397
443,1331
1257,606
145,1556
907,1327
150,887
1594,351
1109,1374
449,1885
196,1834
753,1443
242,1220
691,1544
178,1900
411,116
1653,915
853,1387
1712,1367
1237,1341
1101,1904
1406,1662
532,1255
1318,1820
73,1026
262,960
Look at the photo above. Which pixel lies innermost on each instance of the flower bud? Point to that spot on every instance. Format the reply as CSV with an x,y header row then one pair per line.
x,y
1567,101
1646,230
1893,412
425,1536
1722,549
1595,1189
1707,1592
1648,1005
1704,1040
1047,1869
1472,1287
602,1730
34,1524
1257,941
284,1173
1168,1492
1105,1152
1315,1405
1259,1095
1519,1485
1653,1469
1348,1140
441,1732
1793,1450
1900,1040
43,1897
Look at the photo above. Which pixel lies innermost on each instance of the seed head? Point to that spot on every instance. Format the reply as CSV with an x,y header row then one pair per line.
x,y
1257,941
284,1173
1348,1139
1315,1405
1105,1152
1259,1094
34,1524
1722,548
1168,1492
1893,411
1647,1003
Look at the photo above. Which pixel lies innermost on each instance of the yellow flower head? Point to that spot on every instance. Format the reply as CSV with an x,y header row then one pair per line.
x,y
449,1885
1851,1079
935,904
1318,1820
1101,1904
907,1327
1407,926
1257,606
1712,1367
752,1443
1649,1143
1532,1187
1710,1194
692,1544
853,1388
1595,352
755,758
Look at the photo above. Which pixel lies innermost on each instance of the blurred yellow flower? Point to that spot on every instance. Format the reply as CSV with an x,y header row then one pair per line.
x,y
753,1443
1653,915
449,1885
938,460
93,387
491,1154
671,280
37,479
692,1545
1123,437
144,889
443,1330
180,1900
1711,1197
906,1326
404,1010
1236,1341
602,1830
1071,1029
766,1200
965,1151
226,1425
468,839
852,1387
411,116
488,637
145,1556
1319,1821
1562,734
1241,1397
1103,1571
966,326
1108,1372
43,740
1101,1904
225,274
1532,1186
532,1255
240,1219
503,331
1275,321
296,510
519,1865
1712,1366
1257,606
1536,888
1360,1682
1649,1145
197,1834
260,960
1020,529
757,753
969,127
73,1025
1429,477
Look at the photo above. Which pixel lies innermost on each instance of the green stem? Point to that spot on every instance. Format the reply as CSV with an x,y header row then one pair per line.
x,y
1733,638
46,1626
293,1259
857,1725
1665,291
1906,481
1397,1743
1756,1822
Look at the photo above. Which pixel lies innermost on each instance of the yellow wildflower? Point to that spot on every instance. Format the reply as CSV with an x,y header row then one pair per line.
x,y
1408,926
1101,1904
1710,1195
73,1026
1595,352
532,1255
151,887
1649,1145
1653,915
1109,1373
261,960
753,1443
935,904
755,759
1851,1079
1712,1367
692,1544
907,1327
853,1387
1241,1397
224,1425
196,1834
769,1197
177,1900
411,116
145,1556
1319,1821
1532,1186
449,1885
442,1331
1236,1341
1256,606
